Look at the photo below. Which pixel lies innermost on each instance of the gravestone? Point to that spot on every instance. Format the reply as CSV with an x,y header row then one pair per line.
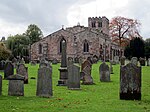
x,y
63,68
134,60
111,68
2,65
23,71
16,85
142,61
104,72
44,82
80,60
148,62
54,61
14,62
70,61
130,82
43,63
8,69
22,61
116,59
86,68
0,85
73,77
33,63
76,59
122,60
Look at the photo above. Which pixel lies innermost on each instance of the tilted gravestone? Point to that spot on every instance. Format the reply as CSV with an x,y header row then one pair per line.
x,y
44,82
130,82
8,69
2,64
134,60
0,85
23,71
16,85
104,72
86,68
122,60
142,61
73,77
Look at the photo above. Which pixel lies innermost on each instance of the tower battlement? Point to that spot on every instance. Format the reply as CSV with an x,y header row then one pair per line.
x,y
100,23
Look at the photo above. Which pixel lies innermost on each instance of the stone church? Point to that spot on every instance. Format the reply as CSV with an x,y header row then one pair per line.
x,y
82,42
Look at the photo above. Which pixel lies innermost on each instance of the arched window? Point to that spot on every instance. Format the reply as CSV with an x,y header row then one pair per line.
x,y
60,45
93,24
86,46
40,48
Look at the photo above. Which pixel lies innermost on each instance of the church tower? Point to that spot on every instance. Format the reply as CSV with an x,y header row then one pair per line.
x,y
100,23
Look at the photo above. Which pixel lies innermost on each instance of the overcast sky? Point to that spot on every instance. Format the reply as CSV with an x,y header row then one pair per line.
x,y
50,15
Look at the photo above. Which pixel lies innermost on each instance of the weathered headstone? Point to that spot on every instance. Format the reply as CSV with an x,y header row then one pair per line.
x,y
44,62
111,68
70,61
116,59
14,62
16,85
44,82
22,61
142,61
23,71
33,63
76,59
122,60
2,64
134,60
63,68
73,77
54,61
104,72
0,85
86,73
130,82
148,62
8,69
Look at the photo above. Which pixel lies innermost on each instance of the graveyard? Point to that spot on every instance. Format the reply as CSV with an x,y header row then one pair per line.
x,y
97,97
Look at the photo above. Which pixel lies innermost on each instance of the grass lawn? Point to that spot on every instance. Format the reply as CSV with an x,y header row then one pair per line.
x,y
101,97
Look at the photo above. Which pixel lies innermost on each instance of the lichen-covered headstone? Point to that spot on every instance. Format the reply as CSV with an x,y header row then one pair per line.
x,y
44,82
130,82
86,73
104,72
134,60
73,77
122,60
22,70
142,61
0,85
8,69
16,85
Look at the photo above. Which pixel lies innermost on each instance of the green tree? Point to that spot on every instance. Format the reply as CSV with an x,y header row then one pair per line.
x,y
19,45
34,33
135,48
147,48
4,52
